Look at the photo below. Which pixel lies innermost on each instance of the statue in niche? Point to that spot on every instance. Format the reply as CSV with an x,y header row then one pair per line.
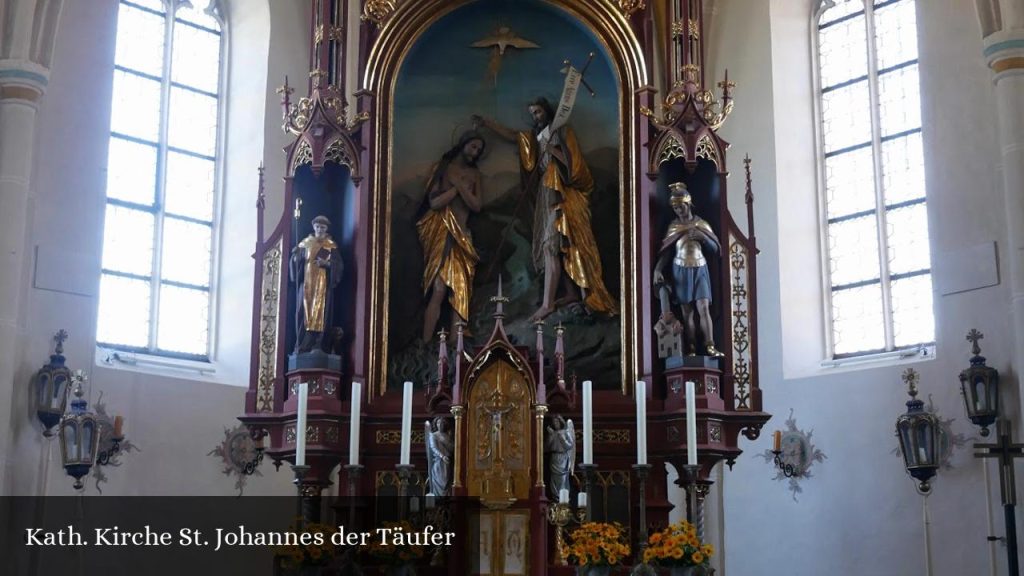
x,y
561,446
683,245
315,268
453,191
564,250
440,449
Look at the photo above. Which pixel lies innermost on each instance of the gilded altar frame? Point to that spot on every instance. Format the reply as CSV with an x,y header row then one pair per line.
x,y
396,36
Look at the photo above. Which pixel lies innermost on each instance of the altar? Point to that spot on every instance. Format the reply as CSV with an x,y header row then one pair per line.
x,y
522,208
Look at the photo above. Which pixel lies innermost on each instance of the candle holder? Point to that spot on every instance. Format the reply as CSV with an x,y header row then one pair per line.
x,y
641,568
300,487
785,467
103,457
560,515
694,503
589,472
404,473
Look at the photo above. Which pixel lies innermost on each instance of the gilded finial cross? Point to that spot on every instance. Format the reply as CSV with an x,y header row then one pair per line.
x,y
910,378
59,338
973,336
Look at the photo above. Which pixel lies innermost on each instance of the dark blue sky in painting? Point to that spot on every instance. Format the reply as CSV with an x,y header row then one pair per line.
x,y
443,80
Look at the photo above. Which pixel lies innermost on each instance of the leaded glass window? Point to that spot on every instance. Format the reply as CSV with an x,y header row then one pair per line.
x,y
876,226
155,289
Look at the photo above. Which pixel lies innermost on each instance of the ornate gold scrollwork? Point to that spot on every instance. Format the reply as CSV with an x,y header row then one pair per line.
x,y
706,149
268,329
674,149
378,11
628,7
303,155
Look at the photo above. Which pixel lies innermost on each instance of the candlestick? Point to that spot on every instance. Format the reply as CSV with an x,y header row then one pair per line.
x,y
588,422
641,423
353,427
777,441
300,425
406,423
691,423
118,425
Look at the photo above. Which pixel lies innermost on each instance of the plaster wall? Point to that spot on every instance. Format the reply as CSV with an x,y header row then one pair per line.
x,y
175,417
859,513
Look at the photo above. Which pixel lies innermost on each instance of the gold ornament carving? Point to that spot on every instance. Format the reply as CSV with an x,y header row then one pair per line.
x,y
303,155
269,305
706,149
628,7
395,437
378,11
673,149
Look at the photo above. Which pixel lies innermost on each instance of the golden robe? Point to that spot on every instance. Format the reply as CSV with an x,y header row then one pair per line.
x,y
573,184
448,253
316,280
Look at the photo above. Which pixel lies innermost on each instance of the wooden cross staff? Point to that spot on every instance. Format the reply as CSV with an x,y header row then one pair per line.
x,y
583,71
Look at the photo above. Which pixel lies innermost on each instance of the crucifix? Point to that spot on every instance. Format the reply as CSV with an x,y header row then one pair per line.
x,y
496,408
1006,451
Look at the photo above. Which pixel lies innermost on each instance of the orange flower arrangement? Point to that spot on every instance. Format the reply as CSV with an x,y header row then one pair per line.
x,y
677,545
390,553
598,544
312,554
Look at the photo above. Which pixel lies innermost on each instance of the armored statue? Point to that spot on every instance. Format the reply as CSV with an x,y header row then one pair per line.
x,y
690,284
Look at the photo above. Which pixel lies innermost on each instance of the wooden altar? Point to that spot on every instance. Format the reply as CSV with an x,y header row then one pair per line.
x,y
498,376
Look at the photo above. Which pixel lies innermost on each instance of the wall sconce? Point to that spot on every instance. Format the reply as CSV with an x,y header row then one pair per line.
x,y
979,386
50,387
79,435
919,435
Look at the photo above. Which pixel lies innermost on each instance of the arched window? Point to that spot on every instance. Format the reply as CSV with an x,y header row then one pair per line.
x,y
162,180
876,226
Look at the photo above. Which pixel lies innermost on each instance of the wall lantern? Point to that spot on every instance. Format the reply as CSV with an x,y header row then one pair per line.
x,y
979,386
79,435
919,435
50,387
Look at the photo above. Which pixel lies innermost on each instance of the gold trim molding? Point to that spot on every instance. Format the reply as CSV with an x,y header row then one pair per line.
x,y
399,32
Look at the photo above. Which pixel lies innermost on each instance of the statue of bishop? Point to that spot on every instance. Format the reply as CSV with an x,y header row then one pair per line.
x,y
315,268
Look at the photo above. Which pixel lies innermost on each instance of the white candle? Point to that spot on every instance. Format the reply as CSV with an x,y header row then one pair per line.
x,y
414,504
563,496
300,425
641,422
691,423
406,423
430,500
588,422
581,500
353,427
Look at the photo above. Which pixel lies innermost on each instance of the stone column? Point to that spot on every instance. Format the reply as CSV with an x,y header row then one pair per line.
x,y
1002,25
22,84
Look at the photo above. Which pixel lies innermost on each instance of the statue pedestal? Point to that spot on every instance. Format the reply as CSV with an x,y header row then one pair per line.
x,y
314,360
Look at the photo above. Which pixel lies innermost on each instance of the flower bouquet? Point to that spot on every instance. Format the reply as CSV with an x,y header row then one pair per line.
x,y
597,546
397,559
318,551
678,548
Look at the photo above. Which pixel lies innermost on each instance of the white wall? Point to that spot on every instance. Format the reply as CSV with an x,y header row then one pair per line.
x,y
174,418
859,514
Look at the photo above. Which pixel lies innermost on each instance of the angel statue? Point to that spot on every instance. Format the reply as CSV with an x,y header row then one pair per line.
x,y
561,444
439,455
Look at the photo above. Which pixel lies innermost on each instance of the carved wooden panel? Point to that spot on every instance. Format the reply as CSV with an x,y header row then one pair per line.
x,y
499,433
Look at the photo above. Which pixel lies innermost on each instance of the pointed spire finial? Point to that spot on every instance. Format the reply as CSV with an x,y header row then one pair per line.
x,y
500,300
59,338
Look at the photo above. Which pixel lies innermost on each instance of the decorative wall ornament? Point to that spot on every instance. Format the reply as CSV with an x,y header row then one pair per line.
x,y
235,451
740,331
268,328
798,452
950,441
630,6
112,443
378,11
